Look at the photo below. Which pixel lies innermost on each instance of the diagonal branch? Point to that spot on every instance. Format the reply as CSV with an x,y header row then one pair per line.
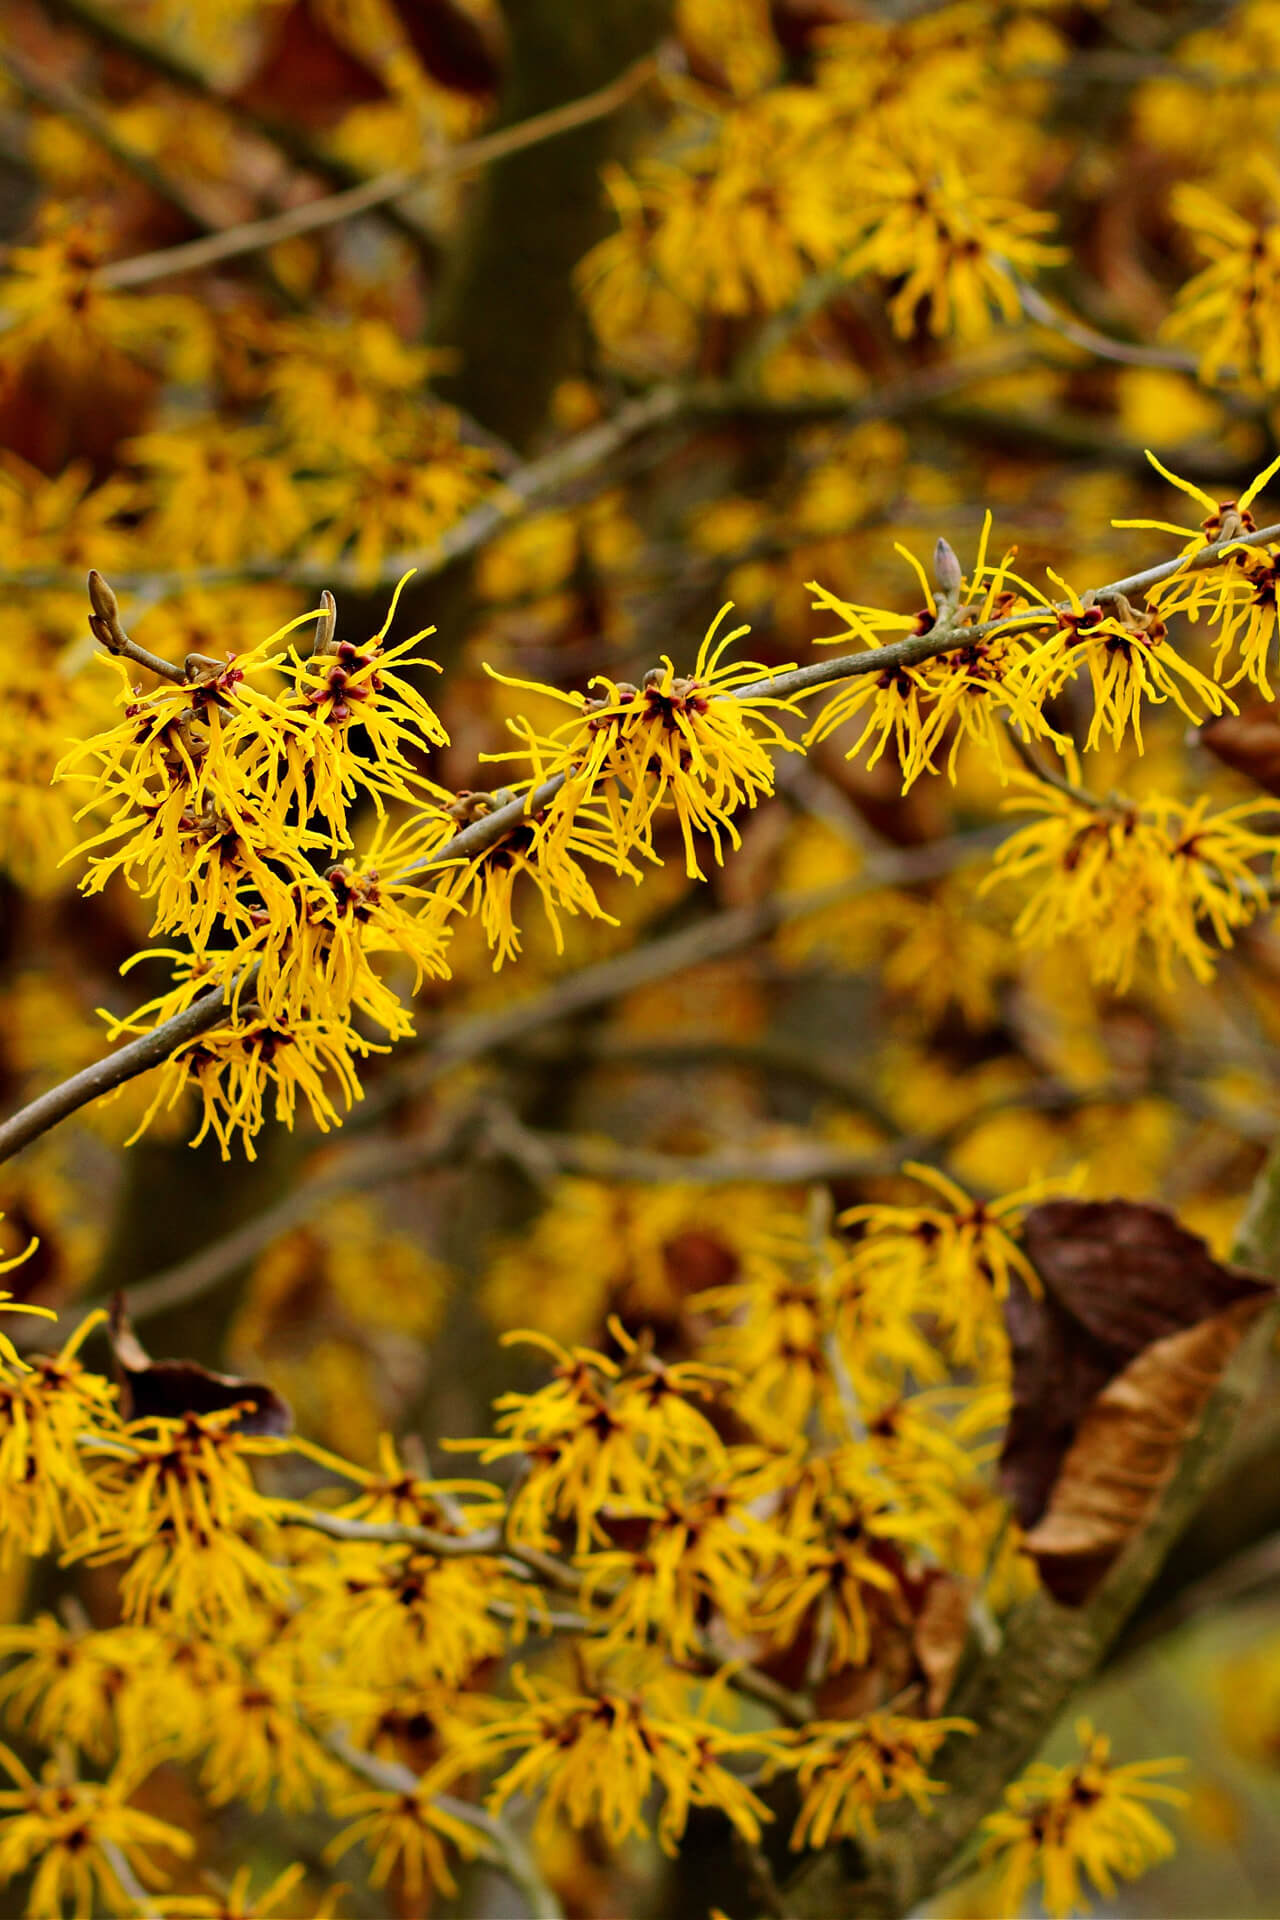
x,y
253,236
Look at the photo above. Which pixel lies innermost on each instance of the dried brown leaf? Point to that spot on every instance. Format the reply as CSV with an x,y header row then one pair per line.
x,y
1126,1449
1123,1282
166,1389
1248,742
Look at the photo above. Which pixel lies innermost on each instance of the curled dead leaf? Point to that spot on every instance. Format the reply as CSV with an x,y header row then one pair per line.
x,y
166,1389
1126,1449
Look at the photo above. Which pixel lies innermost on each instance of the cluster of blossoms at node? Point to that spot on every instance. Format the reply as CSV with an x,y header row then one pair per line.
x,y
232,789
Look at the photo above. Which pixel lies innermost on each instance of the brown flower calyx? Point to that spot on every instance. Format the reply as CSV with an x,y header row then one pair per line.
x,y
356,894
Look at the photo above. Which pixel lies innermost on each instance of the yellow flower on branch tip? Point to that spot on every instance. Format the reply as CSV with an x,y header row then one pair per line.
x,y
1129,660
106,1692
486,883
67,1829
256,1747
598,1753
847,1769
968,692
414,1615
234,1067
348,725
703,1550
853,1530
693,744
950,1260
955,249
1238,596
775,1323
393,1491
1088,1821
1118,875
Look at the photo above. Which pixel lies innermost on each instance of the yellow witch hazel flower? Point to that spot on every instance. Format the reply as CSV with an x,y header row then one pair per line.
x,y
415,1616
705,1547
853,1530
407,1835
968,693
177,1498
846,1769
598,1752
950,244
112,1691
733,228
698,744
1238,596
799,1309
1116,876
1091,1820
338,689
486,883
48,1409
244,1070
1129,660
71,1832
952,1259
1230,310
602,1432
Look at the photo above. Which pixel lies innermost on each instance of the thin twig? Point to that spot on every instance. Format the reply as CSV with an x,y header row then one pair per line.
x,y
130,1885
546,479
253,236
1037,308
104,623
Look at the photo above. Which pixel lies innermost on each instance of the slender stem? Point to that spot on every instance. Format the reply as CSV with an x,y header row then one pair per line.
x,y
1037,308
253,236
130,1885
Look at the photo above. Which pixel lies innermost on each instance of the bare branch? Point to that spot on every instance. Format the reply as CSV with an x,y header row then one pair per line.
x,y
256,235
